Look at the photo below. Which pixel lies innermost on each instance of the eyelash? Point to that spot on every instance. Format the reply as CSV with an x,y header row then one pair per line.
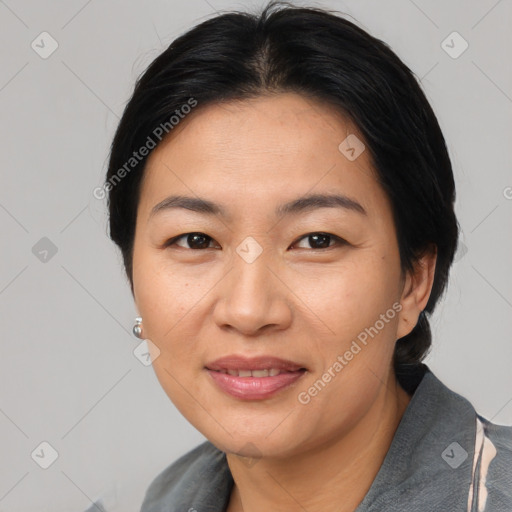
x,y
339,241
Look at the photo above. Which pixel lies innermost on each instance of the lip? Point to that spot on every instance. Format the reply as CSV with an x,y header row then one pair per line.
x,y
254,388
235,362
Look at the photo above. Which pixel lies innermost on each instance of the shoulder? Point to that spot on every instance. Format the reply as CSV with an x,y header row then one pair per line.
x,y
493,466
444,456
200,475
500,436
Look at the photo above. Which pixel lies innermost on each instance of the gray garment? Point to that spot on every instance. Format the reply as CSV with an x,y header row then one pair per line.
x,y
444,458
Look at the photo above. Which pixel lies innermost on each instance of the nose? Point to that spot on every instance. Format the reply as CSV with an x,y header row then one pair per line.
x,y
252,298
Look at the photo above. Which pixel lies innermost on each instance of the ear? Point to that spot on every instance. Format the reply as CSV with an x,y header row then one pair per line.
x,y
416,291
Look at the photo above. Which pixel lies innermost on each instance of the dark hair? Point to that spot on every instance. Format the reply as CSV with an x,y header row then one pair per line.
x,y
313,52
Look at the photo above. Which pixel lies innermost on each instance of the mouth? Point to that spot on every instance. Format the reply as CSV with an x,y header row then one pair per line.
x,y
253,364
270,372
254,378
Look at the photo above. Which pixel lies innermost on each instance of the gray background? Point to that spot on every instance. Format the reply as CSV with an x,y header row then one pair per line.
x,y
68,374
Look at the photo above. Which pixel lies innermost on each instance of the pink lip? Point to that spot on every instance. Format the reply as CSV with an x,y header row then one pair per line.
x,y
254,388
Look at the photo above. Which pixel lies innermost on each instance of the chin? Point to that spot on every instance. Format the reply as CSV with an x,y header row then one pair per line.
x,y
256,445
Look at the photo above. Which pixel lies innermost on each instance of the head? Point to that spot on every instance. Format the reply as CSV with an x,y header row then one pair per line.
x,y
312,203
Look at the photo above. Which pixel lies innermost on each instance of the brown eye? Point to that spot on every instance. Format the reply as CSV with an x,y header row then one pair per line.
x,y
195,241
320,240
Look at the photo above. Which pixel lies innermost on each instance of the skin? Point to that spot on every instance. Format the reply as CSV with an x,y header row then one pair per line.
x,y
297,300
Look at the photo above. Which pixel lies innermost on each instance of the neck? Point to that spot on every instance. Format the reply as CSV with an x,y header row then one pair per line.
x,y
334,476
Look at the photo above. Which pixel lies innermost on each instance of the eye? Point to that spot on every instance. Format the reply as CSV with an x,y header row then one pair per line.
x,y
321,240
195,241
198,241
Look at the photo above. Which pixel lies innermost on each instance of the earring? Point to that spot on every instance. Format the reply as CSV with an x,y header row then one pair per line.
x,y
137,328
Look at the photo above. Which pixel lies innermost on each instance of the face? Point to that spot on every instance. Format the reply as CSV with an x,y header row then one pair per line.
x,y
260,270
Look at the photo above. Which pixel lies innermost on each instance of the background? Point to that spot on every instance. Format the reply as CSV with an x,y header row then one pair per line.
x,y
84,424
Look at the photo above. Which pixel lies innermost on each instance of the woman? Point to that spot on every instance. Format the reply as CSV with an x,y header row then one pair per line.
x,y
282,196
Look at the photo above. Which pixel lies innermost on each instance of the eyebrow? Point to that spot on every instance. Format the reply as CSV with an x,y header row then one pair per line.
x,y
302,204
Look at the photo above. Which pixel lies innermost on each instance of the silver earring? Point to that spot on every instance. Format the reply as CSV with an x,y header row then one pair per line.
x,y
137,328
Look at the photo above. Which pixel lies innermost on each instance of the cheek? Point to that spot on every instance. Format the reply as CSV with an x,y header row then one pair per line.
x,y
164,297
352,295
169,303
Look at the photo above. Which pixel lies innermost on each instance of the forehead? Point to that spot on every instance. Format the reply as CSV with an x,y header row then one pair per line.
x,y
279,124
260,149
